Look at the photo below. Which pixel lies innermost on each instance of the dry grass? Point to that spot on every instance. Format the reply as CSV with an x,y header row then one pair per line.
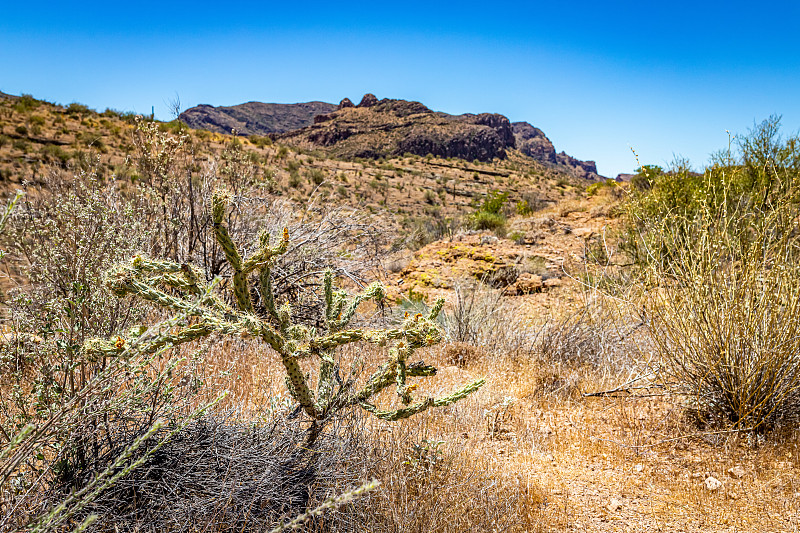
x,y
530,453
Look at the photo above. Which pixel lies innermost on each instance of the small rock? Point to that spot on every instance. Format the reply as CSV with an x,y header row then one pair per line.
x,y
528,283
614,505
552,282
712,483
550,457
737,472
638,467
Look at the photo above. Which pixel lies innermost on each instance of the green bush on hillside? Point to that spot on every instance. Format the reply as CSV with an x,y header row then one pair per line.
x,y
489,213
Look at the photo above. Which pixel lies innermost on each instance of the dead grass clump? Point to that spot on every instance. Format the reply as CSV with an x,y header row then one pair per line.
x,y
218,474
580,338
480,316
433,486
461,354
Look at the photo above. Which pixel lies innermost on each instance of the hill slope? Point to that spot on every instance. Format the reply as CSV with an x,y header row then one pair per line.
x,y
254,118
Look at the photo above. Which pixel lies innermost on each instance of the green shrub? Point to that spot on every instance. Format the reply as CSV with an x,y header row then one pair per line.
x,y
524,208
22,145
489,214
55,154
26,103
260,141
76,109
294,179
21,130
315,175
668,206
484,220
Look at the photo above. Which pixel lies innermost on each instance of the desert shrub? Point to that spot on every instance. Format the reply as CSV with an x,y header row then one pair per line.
x,y
67,445
3,140
430,197
489,213
76,109
668,206
587,336
432,486
720,249
62,241
482,220
55,154
315,175
111,113
524,208
294,179
26,103
22,145
260,141
21,130
424,230
726,321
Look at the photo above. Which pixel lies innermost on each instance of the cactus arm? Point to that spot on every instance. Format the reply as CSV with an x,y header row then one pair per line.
x,y
423,405
458,394
265,254
98,348
240,288
298,388
436,309
267,293
326,378
373,292
327,292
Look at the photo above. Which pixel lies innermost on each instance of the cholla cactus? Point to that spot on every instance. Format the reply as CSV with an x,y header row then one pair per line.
x,y
180,288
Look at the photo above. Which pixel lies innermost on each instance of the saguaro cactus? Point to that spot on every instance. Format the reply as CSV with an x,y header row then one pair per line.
x,y
181,288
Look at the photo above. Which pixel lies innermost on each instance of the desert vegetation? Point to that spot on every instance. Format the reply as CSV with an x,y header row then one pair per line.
x,y
206,332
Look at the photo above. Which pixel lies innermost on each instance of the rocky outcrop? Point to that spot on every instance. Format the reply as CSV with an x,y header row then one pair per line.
x,y
368,100
255,118
532,142
583,169
345,103
500,124
377,128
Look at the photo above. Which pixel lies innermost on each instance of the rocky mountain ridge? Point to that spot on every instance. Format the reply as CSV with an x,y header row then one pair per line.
x,y
387,127
254,118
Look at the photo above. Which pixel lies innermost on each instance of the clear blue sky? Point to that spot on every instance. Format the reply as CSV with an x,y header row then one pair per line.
x,y
666,78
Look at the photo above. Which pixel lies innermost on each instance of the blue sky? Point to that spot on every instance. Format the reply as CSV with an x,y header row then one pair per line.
x,y
599,78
